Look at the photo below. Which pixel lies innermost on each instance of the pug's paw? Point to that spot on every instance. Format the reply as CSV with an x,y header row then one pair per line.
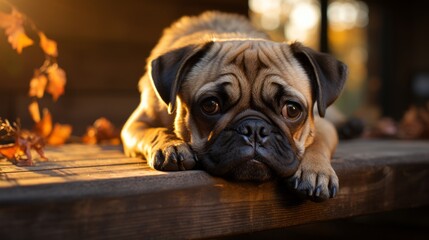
x,y
315,180
173,156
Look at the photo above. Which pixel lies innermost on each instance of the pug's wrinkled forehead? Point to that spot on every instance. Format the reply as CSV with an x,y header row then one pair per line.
x,y
248,73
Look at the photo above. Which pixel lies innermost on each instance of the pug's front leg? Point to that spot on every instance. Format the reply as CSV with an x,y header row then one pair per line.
x,y
162,149
315,177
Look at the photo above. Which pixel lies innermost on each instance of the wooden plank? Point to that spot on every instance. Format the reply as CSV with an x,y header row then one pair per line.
x,y
374,176
52,176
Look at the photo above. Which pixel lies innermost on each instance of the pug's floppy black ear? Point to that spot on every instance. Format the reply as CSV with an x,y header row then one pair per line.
x,y
328,75
169,69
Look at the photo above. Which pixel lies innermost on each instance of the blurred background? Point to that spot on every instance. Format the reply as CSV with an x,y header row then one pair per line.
x,y
103,46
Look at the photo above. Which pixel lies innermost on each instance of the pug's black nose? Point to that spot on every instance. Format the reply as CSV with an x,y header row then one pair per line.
x,y
254,130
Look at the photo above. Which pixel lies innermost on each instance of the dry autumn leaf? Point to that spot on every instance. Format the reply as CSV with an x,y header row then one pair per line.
x,y
44,126
48,46
13,25
8,150
102,131
59,134
415,123
19,40
90,136
105,128
57,81
37,85
33,108
54,135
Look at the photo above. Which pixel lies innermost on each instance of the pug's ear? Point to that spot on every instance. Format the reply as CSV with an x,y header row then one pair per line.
x,y
327,74
169,69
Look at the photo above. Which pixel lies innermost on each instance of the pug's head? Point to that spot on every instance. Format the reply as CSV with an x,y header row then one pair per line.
x,y
246,106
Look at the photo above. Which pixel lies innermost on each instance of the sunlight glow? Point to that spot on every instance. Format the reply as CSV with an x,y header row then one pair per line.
x,y
305,15
264,6
345,15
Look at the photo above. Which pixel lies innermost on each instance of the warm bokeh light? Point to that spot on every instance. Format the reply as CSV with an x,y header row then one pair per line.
x,y
305,15
264,6
303,22
270,22
269,12
290,20
345,15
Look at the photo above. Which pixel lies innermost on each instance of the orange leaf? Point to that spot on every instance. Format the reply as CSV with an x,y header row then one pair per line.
x,y
105,128
102,131
19,40
57,81
38,85
14,29
33,108
60,134
8,150
48,46
44,126
90,136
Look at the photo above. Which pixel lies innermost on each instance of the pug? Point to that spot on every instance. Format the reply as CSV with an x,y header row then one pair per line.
x,y
219,95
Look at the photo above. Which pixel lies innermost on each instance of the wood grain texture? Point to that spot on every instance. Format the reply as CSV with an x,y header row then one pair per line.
x,y
95,192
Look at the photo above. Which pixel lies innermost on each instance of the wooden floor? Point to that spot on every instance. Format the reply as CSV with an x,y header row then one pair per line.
x,y
95,192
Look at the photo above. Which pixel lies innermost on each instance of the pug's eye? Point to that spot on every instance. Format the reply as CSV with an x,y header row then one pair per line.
x,y
291,110
210,106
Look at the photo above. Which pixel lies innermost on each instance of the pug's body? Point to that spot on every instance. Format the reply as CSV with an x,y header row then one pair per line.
x,y
220,95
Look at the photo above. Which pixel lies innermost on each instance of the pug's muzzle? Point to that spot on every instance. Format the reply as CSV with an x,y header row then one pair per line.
x,y
252,148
